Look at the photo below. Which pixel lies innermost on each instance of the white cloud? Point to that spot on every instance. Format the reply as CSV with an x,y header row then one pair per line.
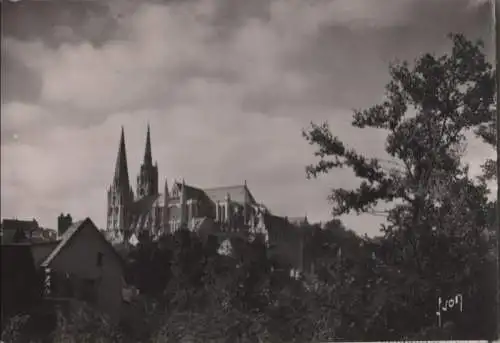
x,y
18,116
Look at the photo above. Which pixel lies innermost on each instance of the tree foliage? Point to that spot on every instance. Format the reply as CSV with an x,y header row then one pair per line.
x,y
438,216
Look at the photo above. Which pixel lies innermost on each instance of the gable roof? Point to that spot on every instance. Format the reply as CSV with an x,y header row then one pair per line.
x,y
70,233
11,228
14,224
237,193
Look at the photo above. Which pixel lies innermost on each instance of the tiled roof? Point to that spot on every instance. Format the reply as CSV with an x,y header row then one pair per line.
x,y
191,191
238,193
41,250
69,234
14,224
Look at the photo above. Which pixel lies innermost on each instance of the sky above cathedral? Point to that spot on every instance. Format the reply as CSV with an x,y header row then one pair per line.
x,y
226,85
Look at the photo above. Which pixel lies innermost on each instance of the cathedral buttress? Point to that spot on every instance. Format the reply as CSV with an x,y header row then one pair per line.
x,y
120,194
166,208
147,180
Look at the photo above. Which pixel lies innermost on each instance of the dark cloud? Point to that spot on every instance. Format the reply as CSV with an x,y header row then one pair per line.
x,y
58,22
19,82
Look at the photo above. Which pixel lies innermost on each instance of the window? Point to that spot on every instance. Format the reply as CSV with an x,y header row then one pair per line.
x,y
100,257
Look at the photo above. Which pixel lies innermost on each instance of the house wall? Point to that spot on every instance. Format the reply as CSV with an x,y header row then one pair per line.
x,y
79,257
8,236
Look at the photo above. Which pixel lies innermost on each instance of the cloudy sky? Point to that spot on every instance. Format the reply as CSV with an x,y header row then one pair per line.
x,y
227,86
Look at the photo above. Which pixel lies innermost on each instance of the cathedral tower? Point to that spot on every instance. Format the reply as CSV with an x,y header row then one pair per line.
x,y
120,195
147,180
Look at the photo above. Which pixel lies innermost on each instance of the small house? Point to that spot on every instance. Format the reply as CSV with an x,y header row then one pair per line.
x,y
85,266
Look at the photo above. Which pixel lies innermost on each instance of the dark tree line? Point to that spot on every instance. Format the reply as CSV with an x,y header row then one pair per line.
x,y
440,223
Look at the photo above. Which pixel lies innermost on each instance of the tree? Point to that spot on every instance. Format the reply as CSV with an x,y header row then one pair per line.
x,y
428,110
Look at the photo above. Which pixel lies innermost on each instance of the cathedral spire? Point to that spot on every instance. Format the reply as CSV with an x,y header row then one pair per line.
x,y
147,180
121,168
148,156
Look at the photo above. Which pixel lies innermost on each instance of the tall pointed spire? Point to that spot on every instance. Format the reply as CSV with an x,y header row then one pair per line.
x,y
121,167
148,156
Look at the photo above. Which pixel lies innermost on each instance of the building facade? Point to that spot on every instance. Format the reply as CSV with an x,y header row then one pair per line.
x,y
24,231
224,211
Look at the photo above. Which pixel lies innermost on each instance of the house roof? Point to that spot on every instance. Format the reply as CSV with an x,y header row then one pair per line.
x,y
13,224
237,193
70,234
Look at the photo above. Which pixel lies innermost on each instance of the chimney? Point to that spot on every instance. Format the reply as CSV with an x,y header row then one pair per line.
x,y
63,223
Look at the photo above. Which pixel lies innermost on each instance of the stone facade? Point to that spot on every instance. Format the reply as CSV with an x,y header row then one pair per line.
x,y
225,210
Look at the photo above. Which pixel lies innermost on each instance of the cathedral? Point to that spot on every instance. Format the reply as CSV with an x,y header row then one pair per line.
x,y
222,211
